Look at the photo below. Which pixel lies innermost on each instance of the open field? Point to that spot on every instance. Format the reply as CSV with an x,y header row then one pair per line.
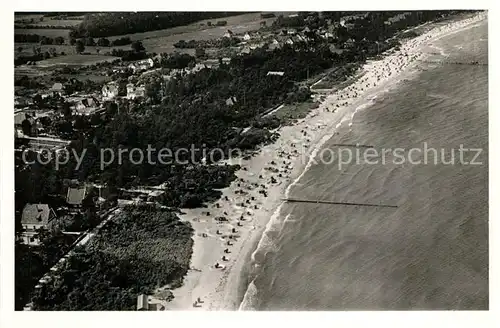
x,y
53,33
294,111
58,22
27,49
75,60
163,40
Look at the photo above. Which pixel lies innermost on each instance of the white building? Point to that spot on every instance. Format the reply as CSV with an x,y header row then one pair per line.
x,y
34,218
109,91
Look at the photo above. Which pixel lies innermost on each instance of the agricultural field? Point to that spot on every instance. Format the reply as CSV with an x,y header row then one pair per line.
x,y
49,32
75,60
58,22
28,19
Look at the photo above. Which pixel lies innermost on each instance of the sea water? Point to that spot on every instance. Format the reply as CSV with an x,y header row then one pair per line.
x,y
431,252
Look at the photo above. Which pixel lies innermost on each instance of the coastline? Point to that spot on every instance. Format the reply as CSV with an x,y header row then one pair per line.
x,y
292,154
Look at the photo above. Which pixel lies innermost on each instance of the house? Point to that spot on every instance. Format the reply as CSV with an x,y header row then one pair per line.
x,y
20,101
91,102
257,45
306,29
35,217
327,35
275,73
335,50
142,65
245,51
57,88
228,34
76,194
110,91
155,195
134,92
198,67
289,41
144,304
247,37
350,43
226,60
231,101
19,118
292,31
86,106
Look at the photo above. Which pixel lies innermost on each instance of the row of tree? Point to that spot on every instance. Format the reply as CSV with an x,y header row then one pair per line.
x,y
35,38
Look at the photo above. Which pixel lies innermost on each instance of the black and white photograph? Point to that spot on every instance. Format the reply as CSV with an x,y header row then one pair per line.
x,y
250,160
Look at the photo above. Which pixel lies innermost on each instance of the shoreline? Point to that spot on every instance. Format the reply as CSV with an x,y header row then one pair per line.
x,y
285,161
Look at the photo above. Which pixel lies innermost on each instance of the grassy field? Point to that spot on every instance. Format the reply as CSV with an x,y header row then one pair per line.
x,y
75,60
156,41
53,33
294,111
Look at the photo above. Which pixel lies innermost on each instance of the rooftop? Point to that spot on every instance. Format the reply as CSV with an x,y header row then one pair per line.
x,y
36,214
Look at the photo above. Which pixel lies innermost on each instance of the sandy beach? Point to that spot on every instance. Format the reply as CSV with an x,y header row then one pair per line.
x,y
228,231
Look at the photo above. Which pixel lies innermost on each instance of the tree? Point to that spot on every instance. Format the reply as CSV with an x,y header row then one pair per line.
x,y
103,42
90,41
200,52
111,108
26,126
137,46
59,40
66,110
37,50
80,123
80,47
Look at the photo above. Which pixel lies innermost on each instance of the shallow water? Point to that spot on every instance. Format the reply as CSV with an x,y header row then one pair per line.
x,y
429,253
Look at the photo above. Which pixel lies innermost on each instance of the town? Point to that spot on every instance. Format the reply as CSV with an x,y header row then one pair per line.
x,y
222,81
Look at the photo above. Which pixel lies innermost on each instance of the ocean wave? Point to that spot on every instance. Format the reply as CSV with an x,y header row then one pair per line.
x,y
248,303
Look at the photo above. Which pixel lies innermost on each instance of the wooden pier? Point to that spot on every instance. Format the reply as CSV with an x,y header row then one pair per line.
x,y
295,200
352,145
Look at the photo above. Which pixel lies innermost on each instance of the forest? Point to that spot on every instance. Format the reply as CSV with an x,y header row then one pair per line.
x,y
142,249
